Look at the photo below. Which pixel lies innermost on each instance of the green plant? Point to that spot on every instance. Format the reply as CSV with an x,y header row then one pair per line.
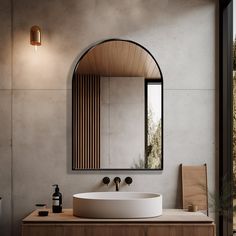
x,y
153,150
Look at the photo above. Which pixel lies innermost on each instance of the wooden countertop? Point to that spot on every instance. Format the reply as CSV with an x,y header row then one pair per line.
x,y
169,215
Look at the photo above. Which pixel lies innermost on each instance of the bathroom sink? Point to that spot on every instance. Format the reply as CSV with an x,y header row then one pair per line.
x,y
119,205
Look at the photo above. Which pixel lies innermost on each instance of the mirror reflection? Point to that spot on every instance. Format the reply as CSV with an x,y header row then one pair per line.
x,y
117,109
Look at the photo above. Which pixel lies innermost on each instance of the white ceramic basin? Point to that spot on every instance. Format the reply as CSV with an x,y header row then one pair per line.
x,y
117,205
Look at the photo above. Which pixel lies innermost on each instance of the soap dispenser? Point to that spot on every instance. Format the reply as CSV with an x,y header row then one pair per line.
x,y
56,200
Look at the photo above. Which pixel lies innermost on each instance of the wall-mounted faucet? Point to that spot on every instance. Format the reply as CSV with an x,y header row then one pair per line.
x,y
117,181
106,180
128,180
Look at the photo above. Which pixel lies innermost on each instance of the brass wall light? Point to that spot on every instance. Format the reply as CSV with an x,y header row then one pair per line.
x,y
35,36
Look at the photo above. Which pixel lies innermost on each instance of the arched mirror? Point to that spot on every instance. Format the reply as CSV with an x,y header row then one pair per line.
x,y
117,108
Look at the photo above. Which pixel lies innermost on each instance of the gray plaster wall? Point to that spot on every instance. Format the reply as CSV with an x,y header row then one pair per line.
x,y
35,101
122,122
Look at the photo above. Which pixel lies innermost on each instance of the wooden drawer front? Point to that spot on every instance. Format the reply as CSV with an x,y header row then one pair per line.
x,y
181,230
42,230
118,230
82,230
104,230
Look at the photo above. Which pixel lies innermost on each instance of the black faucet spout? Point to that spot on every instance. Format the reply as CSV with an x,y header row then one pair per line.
x,y
117,181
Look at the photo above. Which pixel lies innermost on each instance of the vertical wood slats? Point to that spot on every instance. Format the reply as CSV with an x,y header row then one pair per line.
x,y
86,122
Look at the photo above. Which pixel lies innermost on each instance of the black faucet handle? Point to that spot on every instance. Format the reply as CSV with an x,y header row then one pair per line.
x,y
128,180
106,180
117,179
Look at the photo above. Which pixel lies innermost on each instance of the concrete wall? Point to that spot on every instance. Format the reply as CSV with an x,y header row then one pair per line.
x,y
122,122
35,102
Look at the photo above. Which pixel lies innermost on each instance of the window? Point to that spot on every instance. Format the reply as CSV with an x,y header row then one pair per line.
x,y
153,124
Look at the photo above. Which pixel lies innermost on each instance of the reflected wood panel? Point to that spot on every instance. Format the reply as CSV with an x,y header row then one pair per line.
x,y
86,121
119,59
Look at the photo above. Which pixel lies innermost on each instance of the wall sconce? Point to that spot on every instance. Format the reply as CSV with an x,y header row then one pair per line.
x,y
35,36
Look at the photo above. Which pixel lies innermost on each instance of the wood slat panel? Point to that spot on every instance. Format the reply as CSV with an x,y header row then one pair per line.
x,y
74,119
86,119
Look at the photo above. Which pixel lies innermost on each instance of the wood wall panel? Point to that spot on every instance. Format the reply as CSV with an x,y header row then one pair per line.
x,y
118,59
86,122
194,186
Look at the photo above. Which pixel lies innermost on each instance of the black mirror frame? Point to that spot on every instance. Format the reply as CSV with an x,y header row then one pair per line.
x,y
161,81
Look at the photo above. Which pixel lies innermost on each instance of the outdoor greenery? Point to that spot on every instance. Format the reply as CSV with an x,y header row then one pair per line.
x,y
234,136
153,150
234,54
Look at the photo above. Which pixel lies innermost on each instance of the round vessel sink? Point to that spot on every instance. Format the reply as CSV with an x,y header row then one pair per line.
x,y
119,205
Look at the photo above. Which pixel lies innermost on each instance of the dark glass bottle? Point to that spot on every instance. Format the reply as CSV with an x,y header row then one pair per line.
x,y
56,200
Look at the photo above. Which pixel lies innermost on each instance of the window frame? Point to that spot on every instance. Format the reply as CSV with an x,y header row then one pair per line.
x,y
158,81
225,111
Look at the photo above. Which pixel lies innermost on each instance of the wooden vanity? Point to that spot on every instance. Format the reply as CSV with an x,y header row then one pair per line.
x,y
173,222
